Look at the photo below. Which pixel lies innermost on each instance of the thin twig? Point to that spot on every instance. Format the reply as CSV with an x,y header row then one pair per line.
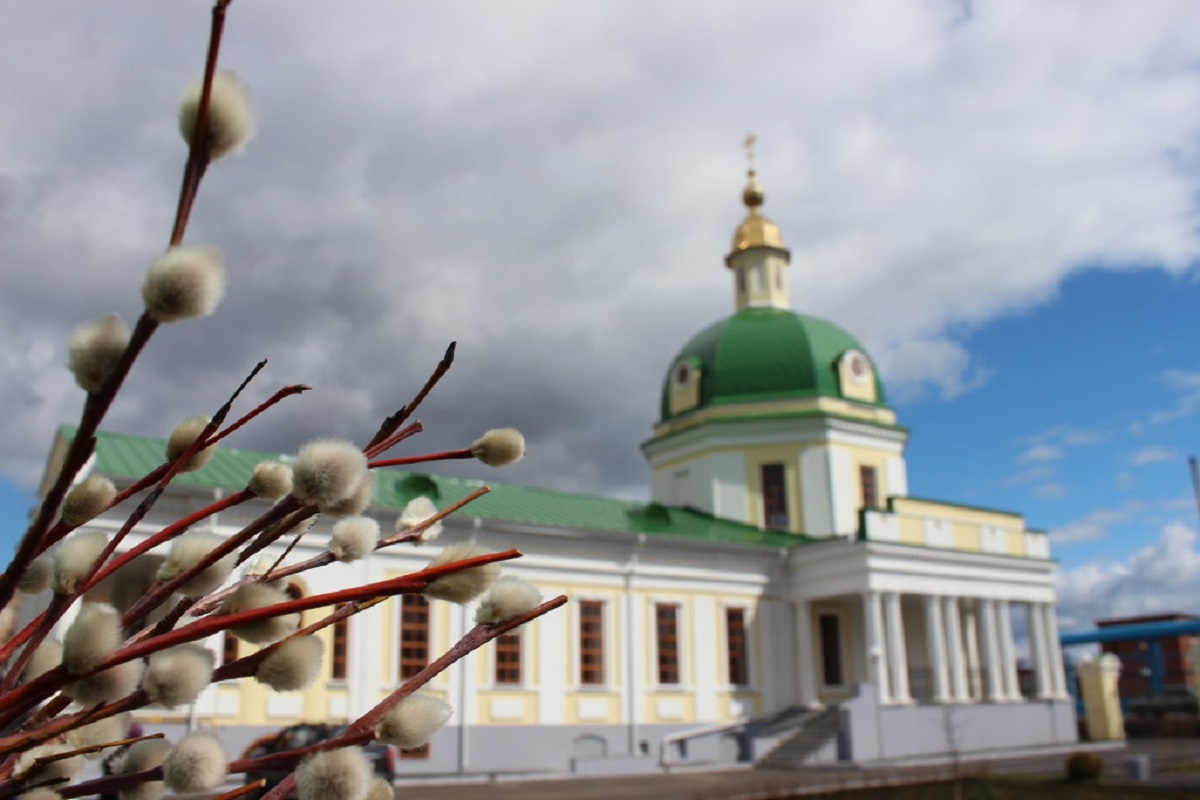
x,y
396,420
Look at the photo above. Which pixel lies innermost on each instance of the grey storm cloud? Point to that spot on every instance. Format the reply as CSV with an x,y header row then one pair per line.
x,y
553,186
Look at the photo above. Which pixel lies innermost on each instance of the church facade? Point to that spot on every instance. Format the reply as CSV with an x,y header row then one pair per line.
x,y
781,584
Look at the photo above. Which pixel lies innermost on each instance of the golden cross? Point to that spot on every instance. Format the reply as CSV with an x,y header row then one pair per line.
x,y
748,143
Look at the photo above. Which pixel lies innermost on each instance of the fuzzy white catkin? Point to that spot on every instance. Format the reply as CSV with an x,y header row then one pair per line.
x,y
499,447
146,754
87,499
250,596
95,349
92,637
62,768
467,584
414,720
46,657
328,472
271,480
291,666
102,731
415,512
195,764
230,120
107,685
36,577
509,597
357,502
75,557
184,282
353,538
175,677
181,439
381,789
186,551
342,774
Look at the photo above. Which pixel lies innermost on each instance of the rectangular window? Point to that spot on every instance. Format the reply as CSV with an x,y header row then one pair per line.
x,y
774,492
508,657
870,486
341,648
831,650
666,627
591,642
735,644
414,634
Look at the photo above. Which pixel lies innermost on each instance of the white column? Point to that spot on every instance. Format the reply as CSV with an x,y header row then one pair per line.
x,y
1008,660
806,647
876,658
1037,648
935,639
970,616
896,650
1058,679
993,690
954,649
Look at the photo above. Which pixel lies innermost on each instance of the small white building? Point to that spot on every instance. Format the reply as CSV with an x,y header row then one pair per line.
x,y
782,590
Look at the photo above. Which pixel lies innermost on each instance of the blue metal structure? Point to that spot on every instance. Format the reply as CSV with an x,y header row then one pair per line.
x,y
1152,633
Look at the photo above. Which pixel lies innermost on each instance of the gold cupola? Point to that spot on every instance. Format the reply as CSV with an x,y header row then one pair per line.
x,y
758,258
755,230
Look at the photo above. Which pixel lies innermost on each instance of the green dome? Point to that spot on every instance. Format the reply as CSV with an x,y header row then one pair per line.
x,y
766,354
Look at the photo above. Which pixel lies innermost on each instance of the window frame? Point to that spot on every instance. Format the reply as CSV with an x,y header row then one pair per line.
x,y
503,646
868,477
339,650
419,601
601,648
675,641
774,491
746,625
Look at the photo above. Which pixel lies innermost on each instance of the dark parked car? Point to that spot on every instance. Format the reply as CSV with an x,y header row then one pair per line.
x,y
381,756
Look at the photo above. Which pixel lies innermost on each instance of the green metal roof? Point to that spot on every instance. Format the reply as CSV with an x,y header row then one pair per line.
x,y
131,457
766,353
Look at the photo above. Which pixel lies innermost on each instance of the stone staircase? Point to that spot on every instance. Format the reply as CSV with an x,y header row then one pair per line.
x,y
815,732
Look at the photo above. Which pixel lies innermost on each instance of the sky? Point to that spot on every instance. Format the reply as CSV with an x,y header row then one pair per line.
x,y
998,198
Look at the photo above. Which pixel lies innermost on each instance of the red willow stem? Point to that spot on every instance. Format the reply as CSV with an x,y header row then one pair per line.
x,y
97,404
19,700
198,150
448,455
152,477
160,591
395,439
53,614
396,420
243,667
362,729
403,535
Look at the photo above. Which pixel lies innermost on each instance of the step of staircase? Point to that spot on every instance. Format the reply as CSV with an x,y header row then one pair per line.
x,y
793,752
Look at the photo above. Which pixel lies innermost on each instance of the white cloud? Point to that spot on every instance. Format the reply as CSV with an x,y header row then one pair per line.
x,y
1042,452
1187,386
1095,525
1162,577
554,186
1151,455
1125,481
1038,473
1051,491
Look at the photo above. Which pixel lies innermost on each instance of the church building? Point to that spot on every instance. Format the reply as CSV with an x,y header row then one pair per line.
x,y
782,598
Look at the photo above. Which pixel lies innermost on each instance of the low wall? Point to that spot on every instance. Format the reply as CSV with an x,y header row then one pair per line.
x,y
871,732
